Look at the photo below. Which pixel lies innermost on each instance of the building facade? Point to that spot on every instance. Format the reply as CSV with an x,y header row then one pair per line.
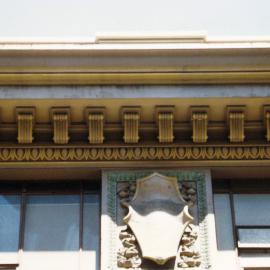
x,y
135,153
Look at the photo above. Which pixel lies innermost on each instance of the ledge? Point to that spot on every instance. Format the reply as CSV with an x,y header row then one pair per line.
x,y
182,63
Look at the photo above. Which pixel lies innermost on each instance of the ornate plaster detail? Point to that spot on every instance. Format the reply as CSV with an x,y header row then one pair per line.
x,y
61,119
131,122
189,256
128,256
158,205
127,179
72,153
25,121
236,121
95,117
267,121
189,192
96,123
199,120
165,121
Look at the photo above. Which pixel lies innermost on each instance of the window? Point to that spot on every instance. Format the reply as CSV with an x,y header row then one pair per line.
x,y
252,220
51,220
9,222
242,220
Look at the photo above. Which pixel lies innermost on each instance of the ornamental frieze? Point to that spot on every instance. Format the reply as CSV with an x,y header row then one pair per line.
x,y
88,153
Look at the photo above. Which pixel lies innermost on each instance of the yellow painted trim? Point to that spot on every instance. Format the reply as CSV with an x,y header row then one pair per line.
x,y
139,78
106,69
141,153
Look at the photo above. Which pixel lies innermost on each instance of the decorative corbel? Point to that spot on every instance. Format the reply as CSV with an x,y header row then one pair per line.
x,y
25,117
131,121
61,120
199,119
236,122
165,121
95,120
266,113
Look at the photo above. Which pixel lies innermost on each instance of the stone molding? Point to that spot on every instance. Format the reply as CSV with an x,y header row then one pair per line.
x,y
215,62
85,152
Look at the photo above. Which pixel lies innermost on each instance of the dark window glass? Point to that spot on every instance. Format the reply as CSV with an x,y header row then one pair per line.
x,y
91,222
252,209
9,222
52,222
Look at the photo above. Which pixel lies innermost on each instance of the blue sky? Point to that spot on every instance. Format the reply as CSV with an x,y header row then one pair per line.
x,y
84,18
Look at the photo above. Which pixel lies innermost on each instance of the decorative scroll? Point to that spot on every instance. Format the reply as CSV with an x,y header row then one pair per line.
x,y
96,127
165,121
236,121
267,122
131,121
61,119
60,128
25,121
199,127
95,117
25,128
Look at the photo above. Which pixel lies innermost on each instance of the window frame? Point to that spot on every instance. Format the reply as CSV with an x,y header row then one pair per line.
x,y
241,186
28,188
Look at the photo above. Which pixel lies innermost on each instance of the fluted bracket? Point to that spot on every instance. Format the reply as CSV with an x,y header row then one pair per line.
x,y
25,117
165,122
95,119
199,119
236,122
266,111
131,122
61,120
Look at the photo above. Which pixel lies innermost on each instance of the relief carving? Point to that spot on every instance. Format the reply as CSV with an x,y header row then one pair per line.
x,y
157,220
128,256
188,253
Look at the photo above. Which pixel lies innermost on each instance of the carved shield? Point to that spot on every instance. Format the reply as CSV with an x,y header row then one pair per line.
x,y
158,216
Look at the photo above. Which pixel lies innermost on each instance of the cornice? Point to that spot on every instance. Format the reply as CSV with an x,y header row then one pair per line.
x,y
135,63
